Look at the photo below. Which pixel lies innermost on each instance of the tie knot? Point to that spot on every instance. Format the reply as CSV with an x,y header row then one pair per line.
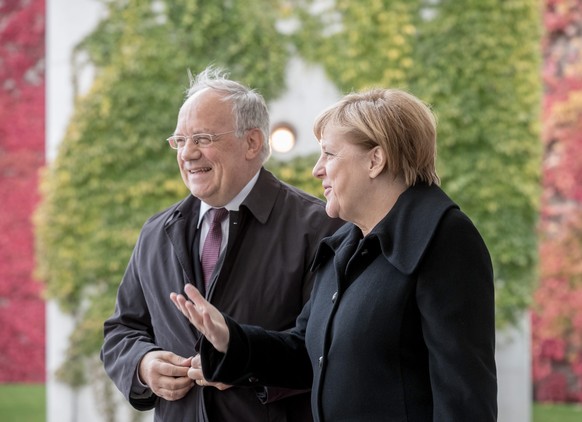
x,y
218,214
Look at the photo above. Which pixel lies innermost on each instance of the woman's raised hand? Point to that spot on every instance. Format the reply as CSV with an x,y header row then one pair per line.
x,y
205,317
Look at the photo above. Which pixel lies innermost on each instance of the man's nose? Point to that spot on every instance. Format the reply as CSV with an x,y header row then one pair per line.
x,y
190,151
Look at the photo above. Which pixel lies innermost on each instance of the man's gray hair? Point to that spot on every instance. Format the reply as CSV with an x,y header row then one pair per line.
x,y
248,106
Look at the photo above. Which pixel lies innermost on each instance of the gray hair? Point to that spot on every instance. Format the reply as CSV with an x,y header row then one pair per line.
x,y
248,106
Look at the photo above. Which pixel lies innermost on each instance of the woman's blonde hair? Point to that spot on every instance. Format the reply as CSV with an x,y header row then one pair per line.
x,y
401,124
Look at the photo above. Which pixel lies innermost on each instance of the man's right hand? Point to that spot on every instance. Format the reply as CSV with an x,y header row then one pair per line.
x,y
166,374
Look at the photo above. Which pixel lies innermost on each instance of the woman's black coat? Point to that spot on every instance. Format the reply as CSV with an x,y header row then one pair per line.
x,y
400,325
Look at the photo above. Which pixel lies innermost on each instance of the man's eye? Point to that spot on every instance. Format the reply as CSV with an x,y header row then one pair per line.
x,y
201,139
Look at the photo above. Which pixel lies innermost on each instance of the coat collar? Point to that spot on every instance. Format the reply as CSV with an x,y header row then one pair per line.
x,y
403,234
260,201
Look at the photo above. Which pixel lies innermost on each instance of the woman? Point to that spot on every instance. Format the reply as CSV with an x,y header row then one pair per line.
x,y
400,325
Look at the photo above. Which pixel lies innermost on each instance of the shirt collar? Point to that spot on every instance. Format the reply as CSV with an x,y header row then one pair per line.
x,y
234,203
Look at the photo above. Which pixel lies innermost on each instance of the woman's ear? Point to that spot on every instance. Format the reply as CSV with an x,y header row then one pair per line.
x,y
377,161
254,138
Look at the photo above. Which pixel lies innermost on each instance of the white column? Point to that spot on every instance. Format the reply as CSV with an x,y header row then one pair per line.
x,y
514,372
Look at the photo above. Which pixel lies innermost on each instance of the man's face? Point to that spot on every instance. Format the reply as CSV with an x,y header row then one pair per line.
x,y
215,173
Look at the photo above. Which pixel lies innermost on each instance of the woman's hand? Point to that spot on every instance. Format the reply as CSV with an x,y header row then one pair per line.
x,y
195,373
205,317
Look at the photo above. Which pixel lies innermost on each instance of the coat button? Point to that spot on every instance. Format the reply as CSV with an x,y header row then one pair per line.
x,y
334,297
320,361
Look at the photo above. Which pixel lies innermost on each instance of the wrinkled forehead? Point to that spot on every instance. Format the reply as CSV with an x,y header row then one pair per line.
x,y
206,110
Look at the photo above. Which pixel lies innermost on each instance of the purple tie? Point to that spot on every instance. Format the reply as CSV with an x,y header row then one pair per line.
x,y
211,249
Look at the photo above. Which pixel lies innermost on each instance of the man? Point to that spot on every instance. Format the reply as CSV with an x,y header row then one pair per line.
x,y
264,243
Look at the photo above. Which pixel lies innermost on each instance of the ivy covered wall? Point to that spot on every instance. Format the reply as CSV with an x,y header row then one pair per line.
x,y
114,169
476,62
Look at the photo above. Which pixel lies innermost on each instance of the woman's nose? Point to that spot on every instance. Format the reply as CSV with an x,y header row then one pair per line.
x,y
318,169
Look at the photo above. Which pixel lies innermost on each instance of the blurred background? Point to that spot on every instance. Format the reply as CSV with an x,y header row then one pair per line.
x,y
89,90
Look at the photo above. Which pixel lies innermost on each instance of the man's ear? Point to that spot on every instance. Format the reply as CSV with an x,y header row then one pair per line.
x,y
377,161
254,139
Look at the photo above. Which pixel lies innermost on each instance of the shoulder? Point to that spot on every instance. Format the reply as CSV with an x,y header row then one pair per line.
x,y
272,198
301,198
269,183
457,231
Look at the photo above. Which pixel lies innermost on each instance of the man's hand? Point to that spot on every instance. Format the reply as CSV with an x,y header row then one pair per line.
x,y
166,374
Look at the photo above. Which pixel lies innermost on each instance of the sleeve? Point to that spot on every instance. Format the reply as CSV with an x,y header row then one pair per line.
x,y
455,296
128,336
256,356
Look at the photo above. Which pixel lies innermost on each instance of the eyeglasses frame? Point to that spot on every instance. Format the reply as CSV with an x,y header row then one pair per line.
x,y
213,137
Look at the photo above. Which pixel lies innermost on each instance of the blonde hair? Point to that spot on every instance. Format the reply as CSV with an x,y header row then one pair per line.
x,y
396,121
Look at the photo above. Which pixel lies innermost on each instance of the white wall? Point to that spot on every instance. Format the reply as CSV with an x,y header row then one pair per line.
x,y
308,93
514,373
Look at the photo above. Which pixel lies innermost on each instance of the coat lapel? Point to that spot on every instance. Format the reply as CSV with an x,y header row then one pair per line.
x,y
181,231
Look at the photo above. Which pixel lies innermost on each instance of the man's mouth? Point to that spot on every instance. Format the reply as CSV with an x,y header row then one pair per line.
x,y
199,170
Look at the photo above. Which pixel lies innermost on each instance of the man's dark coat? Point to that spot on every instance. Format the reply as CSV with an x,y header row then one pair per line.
x,y
264,280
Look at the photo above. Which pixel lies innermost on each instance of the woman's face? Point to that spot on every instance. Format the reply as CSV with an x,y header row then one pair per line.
x,y
343,168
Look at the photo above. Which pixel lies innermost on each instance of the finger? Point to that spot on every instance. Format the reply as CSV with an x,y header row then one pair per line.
x,y
171,370
181,303
194,295
194,315
196,362
175,359
187,362
187,309
175,394
174,297
195,374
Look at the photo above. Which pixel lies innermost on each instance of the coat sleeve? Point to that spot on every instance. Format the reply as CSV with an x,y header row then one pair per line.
x,y
261,357
455,296
128,337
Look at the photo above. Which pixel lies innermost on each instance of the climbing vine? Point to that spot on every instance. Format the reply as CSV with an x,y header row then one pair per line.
x,y
22,334
557,310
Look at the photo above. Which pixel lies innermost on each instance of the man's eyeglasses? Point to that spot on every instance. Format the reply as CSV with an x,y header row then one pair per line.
x,y
200,139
